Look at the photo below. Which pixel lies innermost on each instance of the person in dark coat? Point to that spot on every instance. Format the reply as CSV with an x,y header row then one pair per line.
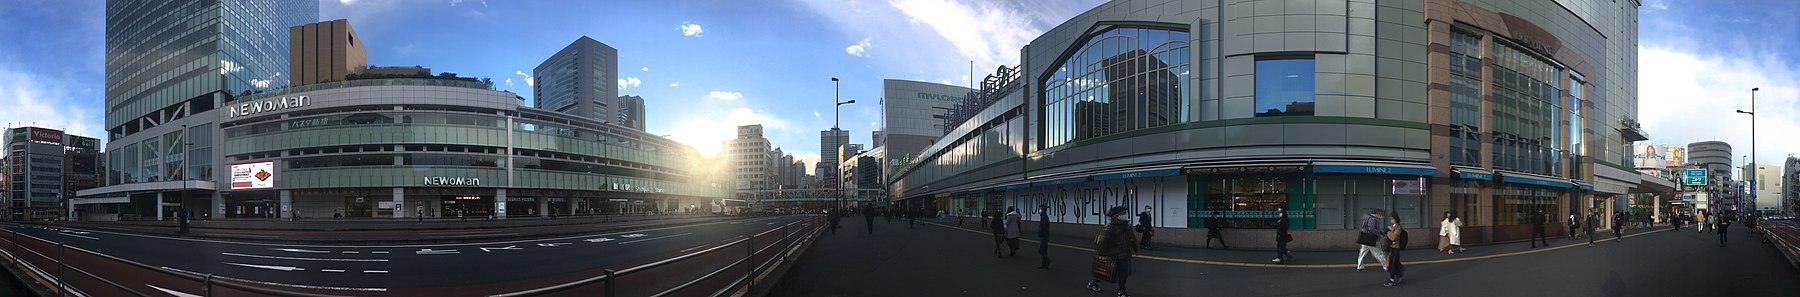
x,y
1144,227
1282,238
1396,241
1618,226
1724,221
1593,222
869,217
1574,226
833,216
1043,234
1537,229
1117,242
1013,225
1214,230
998,226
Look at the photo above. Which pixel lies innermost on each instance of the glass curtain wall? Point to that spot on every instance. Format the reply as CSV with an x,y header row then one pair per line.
x,y
1525,110
1465,98
1123,79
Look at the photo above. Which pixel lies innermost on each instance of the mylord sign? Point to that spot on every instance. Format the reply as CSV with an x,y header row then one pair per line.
x,y
266,105
1694,177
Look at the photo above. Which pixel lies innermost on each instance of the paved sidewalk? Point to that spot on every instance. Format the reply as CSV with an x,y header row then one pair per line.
x,y
937,260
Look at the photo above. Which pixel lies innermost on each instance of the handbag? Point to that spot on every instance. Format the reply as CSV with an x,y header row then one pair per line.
x,y
1364,238
1104,268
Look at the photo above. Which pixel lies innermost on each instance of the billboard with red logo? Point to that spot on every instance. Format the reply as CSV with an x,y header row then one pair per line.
x,y
46,135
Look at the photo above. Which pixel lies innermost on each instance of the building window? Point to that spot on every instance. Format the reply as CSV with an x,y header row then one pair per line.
x,y
1525,112
1465,98
1284,87
1514,204
1121,80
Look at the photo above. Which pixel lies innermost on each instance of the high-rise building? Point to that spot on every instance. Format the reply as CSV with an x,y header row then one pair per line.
x,y
829,141
41,164
173,70
324,51
1765,185
749,155
912,116
580,80
630,112
875,139
1790,188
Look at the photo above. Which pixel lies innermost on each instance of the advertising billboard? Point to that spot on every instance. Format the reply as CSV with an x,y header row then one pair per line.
x,y
260,175
1649,156
46,135
1677,157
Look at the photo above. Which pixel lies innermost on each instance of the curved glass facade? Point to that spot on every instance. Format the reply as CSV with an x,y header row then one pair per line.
x,y
1123,79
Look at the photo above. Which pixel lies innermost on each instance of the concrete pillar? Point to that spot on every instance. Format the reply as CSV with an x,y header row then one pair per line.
x,y
569,205
500,203
286,210
159,207
218,205
543,206
400,207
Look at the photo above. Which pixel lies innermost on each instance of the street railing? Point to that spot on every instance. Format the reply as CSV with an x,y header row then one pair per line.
x,y
697,272
1787,249
64,273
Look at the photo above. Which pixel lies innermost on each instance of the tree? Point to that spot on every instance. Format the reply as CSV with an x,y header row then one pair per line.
x,y
447,74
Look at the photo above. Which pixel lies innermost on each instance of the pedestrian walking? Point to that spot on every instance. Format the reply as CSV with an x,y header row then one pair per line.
x,y
421,215
1724,222
1144,227
869,219
1618,226
1215,226
1537,229
1700,222
833,216
1574,226
1113,249
1450,234
1592,223
1043,234
996,225
1396,241
1012,230
1750,227
1282,237
1373,228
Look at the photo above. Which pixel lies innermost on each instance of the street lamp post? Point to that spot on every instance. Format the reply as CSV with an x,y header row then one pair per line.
x,y
1752,174
837,93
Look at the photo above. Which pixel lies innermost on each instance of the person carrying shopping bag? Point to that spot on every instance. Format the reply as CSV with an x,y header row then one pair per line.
x,y
1113,249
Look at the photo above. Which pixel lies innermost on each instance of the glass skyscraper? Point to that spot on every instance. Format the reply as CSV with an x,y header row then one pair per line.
x,y
165,59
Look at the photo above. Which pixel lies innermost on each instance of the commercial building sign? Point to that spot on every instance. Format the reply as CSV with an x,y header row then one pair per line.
x,y
266,105
1650,156
940,97
46,135
1693,177
1676,157
260,175
1409,186
440,181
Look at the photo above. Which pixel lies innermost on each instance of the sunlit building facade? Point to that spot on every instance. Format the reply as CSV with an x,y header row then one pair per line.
x,y
1493,110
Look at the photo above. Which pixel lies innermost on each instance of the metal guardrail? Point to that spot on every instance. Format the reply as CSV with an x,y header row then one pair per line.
x,y
1787,249
809,228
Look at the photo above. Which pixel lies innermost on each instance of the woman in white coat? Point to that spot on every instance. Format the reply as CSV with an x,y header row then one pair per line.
x,y
1450,234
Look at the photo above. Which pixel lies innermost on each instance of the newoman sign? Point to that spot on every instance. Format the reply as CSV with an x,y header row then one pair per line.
x,y
266,105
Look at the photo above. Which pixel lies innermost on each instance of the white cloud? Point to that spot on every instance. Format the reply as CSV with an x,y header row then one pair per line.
x,y
675,85
452,2
261,83
646,68
988,33
816,116
809,160
347,2
227,67
724,95
1687,96
859,49
1656,5
629,82
528,81
509,82
43,102
690,29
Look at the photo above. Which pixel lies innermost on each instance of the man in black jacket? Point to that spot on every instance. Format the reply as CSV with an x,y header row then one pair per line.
x,y
1144,228
869,217
1214,230
1044,235
1537,229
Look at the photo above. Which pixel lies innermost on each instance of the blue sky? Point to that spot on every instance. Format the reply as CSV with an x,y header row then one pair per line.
x,y
770,62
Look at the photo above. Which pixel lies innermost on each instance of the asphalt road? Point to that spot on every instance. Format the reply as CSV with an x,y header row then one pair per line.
x,y
933,260
461,269
372,232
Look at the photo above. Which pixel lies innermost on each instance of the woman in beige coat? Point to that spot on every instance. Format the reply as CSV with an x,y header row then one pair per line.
x,y
1450,234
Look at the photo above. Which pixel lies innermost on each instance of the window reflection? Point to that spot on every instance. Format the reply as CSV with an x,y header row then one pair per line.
x,y
1122,80
1284,87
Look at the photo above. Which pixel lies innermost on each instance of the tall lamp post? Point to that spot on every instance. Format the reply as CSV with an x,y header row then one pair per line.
x,y
837,93
1752,174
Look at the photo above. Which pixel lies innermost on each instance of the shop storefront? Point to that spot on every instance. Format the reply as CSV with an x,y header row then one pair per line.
x,y
1319,196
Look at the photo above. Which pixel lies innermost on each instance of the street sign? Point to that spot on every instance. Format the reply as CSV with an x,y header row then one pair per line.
x,y
1694,177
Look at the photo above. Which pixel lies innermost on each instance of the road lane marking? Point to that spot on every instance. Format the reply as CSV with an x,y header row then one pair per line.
x,y
243,235
459,232
471,235
554,244
269,267
332,270
374,271
378,252
435,252
302,251
305,259
653,238
172,292
510,247
79,236
350,252
633,235
359,289
597,240
433,245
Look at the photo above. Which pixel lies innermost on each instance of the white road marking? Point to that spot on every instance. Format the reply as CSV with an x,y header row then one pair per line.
x,y
350,252
602,239
435,252
269,267
73,235
633,235
363,289
332,270
172,292
553,244
410,245
305,259
378,252
303,251
470,235
654,238
510,247
374,271
458,232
